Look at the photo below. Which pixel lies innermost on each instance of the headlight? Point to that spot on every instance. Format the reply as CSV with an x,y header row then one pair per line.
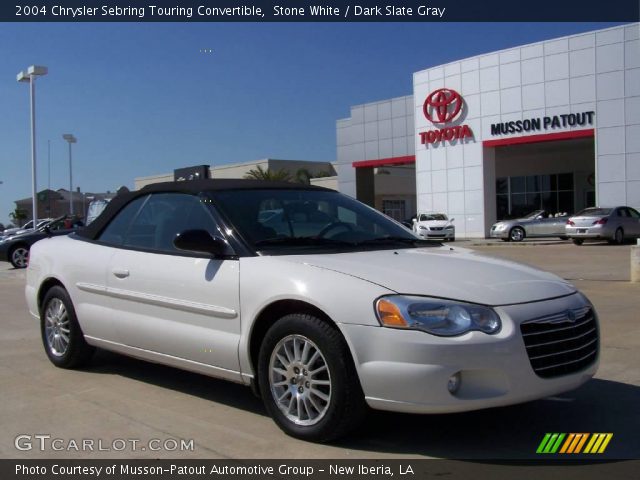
x,y
500,226
422,227
435,316
449,227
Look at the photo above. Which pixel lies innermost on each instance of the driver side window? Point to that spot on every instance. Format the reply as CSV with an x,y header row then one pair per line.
x,y
152,223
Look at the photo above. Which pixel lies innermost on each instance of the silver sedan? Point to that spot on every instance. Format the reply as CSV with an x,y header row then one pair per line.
x,y
537,224
615,224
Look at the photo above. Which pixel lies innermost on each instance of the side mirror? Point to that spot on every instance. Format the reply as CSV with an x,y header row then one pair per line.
x,y
202,241
452,220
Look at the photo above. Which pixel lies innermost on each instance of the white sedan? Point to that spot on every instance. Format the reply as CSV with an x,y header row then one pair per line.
x,y
434,225
324,309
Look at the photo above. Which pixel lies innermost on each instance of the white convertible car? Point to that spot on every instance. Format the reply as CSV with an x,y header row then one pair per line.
x,y
325,307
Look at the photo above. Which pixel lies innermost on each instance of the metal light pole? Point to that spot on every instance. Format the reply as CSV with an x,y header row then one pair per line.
x,y
70,139
30,76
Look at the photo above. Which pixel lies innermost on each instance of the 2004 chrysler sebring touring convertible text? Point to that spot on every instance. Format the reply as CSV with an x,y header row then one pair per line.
x,y
322,304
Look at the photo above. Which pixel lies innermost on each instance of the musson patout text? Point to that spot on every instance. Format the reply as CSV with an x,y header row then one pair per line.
x,y
350,11
258,470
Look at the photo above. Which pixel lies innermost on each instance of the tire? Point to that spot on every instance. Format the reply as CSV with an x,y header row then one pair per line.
x,y
516,234
297,345
577,241
62,336
19,256
618,237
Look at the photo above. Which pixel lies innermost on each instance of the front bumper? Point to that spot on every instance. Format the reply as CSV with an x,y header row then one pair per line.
x,y
4,252
437,234
494,233
408,370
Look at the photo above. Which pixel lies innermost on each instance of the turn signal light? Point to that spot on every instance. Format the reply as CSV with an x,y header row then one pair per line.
x,y
389,314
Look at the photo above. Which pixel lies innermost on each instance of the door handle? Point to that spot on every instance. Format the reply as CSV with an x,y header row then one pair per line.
x,y
120,272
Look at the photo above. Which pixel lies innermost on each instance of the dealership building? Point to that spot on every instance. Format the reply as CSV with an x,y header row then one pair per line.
x,y
553,125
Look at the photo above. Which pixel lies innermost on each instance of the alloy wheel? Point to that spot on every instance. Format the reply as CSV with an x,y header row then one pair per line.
x,y
19,257
300,380
57,331
517,234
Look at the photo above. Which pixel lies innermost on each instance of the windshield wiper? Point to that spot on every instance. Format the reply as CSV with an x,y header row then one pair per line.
x,y
301,241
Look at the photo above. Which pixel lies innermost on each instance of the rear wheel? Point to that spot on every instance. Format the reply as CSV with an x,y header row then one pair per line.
x,y
19,256
516,234
62,337
307,379
618,237
578,241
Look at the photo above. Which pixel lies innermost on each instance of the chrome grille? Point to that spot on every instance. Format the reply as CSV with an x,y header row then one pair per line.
x,y
562,343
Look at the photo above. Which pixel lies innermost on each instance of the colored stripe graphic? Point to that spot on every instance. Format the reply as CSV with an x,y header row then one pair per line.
x,y
574,443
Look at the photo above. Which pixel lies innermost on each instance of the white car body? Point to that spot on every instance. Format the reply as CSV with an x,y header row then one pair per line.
x,y
428,228
219,316
199,314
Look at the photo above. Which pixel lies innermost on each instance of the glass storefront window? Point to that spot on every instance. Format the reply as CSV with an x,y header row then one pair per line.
x,y
518,184
518,196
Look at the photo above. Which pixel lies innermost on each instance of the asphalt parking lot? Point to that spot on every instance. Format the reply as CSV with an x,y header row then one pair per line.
x,y
122,398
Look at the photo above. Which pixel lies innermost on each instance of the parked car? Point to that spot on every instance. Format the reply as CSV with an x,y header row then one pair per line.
x,y
15,248
537,224
435,225
27,227
324,309
615,224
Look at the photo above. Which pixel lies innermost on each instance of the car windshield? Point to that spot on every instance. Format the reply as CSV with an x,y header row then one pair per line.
x,y
427,217
593,212
535,214
278,220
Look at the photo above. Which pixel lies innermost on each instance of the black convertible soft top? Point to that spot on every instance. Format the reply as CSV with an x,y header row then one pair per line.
x,y
194,187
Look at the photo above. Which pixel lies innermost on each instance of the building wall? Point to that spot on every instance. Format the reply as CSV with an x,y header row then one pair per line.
x,y
239,170
375,130
596,71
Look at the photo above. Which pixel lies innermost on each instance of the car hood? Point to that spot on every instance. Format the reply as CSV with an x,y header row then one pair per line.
x,y
445,272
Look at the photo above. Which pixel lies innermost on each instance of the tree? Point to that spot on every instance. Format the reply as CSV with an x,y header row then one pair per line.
x,y
18,215
303,176
260,173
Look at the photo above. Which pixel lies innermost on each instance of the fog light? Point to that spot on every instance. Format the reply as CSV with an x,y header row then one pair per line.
x,y
454,383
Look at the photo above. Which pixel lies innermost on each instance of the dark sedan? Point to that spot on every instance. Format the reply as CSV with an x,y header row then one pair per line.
x,y
15,249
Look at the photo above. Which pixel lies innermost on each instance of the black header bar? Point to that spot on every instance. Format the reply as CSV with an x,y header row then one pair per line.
x,y
319,11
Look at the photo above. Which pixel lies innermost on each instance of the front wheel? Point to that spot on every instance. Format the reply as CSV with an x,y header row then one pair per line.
x,y
307,379
62,337
19,256
516,234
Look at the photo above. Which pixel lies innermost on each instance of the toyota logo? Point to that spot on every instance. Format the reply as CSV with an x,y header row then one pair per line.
x,y
442,105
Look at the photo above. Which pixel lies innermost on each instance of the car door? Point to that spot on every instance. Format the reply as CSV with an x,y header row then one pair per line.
x,y
176,303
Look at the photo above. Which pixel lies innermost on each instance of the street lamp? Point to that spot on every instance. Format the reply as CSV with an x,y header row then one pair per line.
x,y
30,76
70,139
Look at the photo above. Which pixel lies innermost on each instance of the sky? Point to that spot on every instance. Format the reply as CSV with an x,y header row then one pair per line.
x,y
145,98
